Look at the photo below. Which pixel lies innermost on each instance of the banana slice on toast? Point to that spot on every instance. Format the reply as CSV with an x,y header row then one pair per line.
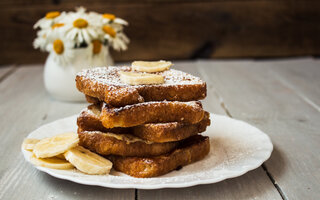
x,y
133,78
154,66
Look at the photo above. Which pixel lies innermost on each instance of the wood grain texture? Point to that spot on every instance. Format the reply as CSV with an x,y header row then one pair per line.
x,y
256,93
300,75
180,29
24,106
254,185
5,71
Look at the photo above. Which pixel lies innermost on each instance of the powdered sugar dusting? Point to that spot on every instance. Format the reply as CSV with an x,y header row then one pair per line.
x,y
110,76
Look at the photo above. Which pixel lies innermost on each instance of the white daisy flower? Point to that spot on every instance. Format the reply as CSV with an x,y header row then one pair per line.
x,y
118,40
116,27
79,27
99,51
96,19
62,50
108,18
55,30
41,41
96,46
109,32
48,20
45,36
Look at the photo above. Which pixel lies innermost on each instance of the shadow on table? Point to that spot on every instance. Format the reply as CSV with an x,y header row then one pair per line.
x,y
255,184
276,165
63,189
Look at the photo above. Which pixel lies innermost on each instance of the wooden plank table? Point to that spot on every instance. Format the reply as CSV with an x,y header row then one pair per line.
x,y
281,97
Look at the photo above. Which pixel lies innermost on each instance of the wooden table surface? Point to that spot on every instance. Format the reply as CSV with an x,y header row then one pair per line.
x,y
281,97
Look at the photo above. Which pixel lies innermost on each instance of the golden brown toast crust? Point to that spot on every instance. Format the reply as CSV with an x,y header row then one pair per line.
x,y
105,84
89,120
122,144
156,132
174,131
152,112
193,149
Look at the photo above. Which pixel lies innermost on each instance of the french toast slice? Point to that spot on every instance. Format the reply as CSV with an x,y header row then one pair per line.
x,y
190,150
122,144
152,112
104,83
89,120
172,131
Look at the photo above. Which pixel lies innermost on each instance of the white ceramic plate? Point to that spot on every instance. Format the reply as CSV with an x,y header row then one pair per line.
x,y
236,148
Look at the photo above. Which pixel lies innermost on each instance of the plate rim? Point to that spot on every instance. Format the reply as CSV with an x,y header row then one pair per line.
x,y
231,174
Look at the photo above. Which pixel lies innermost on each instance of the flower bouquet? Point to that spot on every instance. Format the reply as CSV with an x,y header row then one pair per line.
x,y
61,33
76,40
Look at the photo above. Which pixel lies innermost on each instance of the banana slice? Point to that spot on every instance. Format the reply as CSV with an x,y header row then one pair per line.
x,y
49,147
133,78
87,161
53,162
29,143
155,66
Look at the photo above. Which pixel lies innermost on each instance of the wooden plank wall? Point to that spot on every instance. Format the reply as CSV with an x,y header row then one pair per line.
x,y
179,29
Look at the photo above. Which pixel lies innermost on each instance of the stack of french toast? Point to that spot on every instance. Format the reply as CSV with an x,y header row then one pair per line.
x,y
145,118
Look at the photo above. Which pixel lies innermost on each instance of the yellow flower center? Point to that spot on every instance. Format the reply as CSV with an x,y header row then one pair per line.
x,y
57,25
80,23
109,30
51,15
58,46
96,46
109,16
